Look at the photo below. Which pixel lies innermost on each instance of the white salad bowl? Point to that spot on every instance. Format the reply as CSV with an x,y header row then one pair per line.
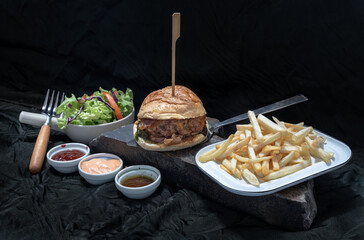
x,y
84,134
77,133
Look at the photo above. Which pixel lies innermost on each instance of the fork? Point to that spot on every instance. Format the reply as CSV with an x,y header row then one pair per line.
x,y
40,148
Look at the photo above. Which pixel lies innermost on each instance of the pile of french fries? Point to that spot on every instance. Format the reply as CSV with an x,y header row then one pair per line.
x,y
265,150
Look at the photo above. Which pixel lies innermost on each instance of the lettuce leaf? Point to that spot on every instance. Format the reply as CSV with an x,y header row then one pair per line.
x,y
94,111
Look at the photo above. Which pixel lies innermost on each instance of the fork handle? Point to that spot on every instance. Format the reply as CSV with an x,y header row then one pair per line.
x,y
40,148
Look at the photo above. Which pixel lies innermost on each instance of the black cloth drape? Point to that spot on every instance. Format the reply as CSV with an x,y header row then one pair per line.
x,y
235,55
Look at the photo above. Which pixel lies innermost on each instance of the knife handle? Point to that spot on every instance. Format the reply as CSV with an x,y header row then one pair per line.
x,y
38,119
40,148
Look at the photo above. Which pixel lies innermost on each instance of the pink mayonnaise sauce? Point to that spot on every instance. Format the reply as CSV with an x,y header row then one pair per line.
x,y
100,165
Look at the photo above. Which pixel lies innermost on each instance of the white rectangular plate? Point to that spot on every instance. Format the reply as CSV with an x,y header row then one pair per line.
x,y
241,187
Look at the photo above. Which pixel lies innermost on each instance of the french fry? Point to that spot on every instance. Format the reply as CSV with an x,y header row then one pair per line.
x,y
276,152
235,138
268,124
240,158
237,133
299,136
296,154
262,154
284,161
279,123
267,135
231,165
261,159
286,171
313,135
297,160
287,143
250,177
249,166
275,161
257,168
305,153
294,127
243,152
218,152
269,148
318,141
210,151
225,169
233,148
290,148
251,151
250,160
267,141
319,152
235,171
242,136
265,167
243,127
256,127
256,165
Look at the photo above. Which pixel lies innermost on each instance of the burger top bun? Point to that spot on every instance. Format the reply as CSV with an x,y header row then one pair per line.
x,y
162,105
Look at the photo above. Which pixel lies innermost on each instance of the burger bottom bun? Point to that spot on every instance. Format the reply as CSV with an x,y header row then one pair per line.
x,y
161,147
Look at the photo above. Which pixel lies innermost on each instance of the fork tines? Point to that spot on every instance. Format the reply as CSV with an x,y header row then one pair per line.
x,y
52,105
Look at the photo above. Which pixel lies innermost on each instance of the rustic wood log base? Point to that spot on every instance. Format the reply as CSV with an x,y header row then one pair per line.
x,y
292,209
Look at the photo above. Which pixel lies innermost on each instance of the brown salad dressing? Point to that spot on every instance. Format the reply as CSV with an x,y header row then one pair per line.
x,y
137,181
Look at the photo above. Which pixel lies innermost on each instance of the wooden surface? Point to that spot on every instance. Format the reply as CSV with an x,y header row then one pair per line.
x,y
293,208
176,27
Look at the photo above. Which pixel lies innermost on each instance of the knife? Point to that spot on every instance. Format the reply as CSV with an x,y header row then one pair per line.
x,y
212,129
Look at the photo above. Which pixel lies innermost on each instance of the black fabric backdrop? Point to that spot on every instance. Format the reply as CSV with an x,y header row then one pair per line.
x,y
235,55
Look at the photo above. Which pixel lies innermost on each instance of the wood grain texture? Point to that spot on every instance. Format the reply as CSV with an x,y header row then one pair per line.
x,y
176,26
40,149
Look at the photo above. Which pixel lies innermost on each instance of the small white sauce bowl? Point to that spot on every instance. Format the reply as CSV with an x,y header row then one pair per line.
x,y
67,166
97,179
138,170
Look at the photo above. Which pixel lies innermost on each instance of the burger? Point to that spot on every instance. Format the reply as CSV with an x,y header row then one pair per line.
x,y
167,123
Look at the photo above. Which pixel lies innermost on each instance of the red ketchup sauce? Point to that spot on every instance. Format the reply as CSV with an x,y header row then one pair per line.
x,y
68,155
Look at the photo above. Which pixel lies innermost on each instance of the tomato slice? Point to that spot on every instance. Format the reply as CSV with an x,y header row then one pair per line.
x,y
84,97
113,104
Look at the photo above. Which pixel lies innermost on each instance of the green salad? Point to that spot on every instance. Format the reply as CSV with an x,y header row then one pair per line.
x,y
102,106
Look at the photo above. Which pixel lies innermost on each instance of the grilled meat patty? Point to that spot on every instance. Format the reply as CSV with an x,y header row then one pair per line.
x,y
171,131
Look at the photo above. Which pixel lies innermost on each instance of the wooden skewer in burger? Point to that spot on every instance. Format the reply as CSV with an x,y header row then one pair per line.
x,y
171,118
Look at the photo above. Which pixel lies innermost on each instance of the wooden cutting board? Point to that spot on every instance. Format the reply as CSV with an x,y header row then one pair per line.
x,y
293,208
